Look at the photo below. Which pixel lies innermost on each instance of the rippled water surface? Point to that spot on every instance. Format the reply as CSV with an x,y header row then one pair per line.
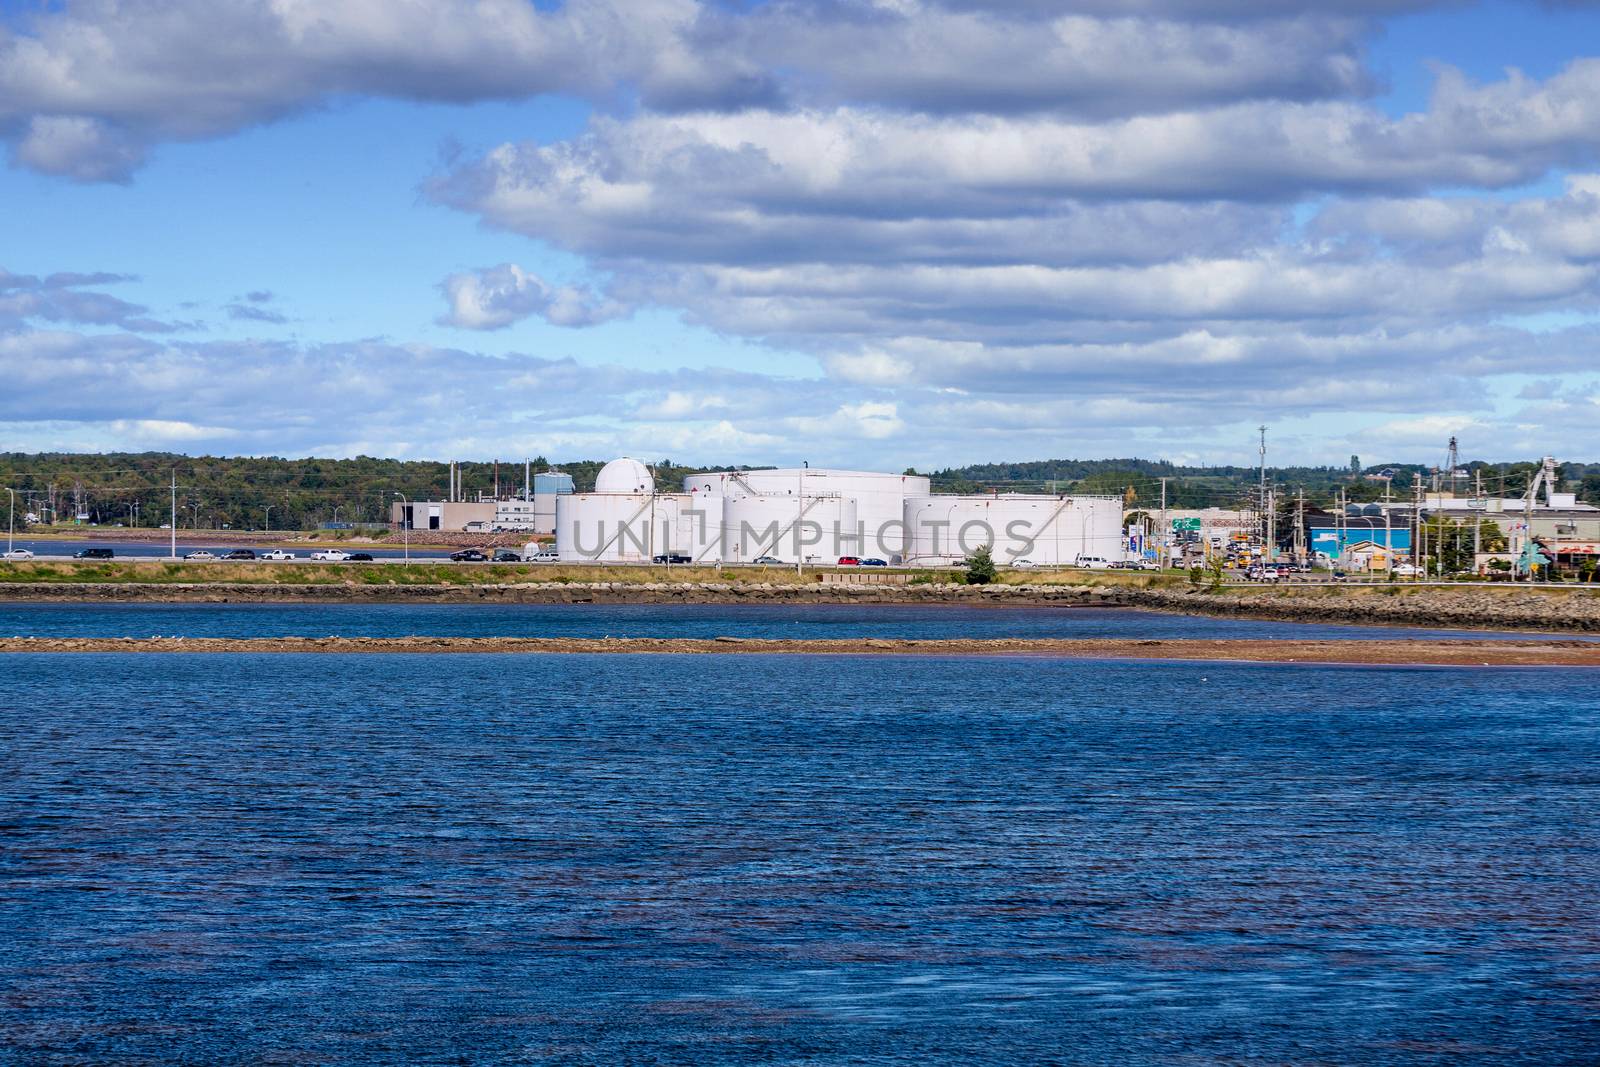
x,y
526,859
649,620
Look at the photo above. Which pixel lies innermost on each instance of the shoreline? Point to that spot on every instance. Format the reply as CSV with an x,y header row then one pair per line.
x,y
1393,652
1533,610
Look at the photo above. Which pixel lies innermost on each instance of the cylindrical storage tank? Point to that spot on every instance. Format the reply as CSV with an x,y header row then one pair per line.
x,y
879,498
1045,530
603,527
688,524
546,488
819,529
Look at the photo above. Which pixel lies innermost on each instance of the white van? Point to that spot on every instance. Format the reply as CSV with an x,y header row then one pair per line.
x,y
1093,563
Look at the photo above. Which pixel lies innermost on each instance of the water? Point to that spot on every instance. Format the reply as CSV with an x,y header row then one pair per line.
x,y
814,860
814,621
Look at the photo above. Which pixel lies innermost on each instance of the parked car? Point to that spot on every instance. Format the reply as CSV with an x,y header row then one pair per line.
x,y
504,556
200,554
1406,570
240,553
672,557
873,562
767,560
1094,563
331,555
277,555
359,557
849,561
18,553
468,555
93,553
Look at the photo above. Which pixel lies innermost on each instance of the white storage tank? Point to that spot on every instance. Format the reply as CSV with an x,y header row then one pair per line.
x,y
818,529
879,498
604,527
1046,530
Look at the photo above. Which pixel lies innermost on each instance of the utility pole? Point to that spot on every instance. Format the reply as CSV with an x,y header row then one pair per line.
x,y
174,524
1262,499
1164,556
1477,517
1416,521
1339,530
1300,528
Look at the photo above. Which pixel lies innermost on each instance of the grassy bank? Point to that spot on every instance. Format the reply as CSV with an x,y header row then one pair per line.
x,y
416,573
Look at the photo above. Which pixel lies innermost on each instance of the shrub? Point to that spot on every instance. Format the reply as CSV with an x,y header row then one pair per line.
x,y
980,567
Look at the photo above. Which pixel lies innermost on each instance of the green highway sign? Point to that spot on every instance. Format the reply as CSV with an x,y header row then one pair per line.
x,y
1179,525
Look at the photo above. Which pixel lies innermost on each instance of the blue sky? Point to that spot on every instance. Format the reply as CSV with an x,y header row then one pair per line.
x,y
877,234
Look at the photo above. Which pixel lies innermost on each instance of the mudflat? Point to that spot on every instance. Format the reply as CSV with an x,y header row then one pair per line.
x,y
1453,652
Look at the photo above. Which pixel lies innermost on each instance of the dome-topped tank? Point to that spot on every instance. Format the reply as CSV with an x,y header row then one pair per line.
x,y
624,476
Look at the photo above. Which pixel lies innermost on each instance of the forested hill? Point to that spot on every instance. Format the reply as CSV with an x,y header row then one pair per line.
x,y
213,491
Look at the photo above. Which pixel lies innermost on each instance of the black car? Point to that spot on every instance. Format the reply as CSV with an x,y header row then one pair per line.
x,y
468,555
359,557
874,563
94,553
672,558
241,553
507,557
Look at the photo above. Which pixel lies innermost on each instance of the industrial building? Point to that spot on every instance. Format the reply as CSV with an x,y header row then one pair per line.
x,y
531,509
803,514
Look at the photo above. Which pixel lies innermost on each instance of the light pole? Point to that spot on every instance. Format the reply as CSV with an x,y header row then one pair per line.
x,y
336,516
405,526
269,517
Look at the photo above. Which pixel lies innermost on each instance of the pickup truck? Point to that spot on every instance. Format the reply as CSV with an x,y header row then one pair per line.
x,y
277,555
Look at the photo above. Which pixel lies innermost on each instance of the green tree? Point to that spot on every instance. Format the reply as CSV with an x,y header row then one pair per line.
x,y
980,567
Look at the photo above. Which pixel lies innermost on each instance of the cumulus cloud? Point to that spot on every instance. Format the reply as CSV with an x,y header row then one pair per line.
x,y
495,297
63,298
87,88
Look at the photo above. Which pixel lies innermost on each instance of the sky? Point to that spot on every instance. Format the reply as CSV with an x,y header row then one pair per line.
x,y
869,233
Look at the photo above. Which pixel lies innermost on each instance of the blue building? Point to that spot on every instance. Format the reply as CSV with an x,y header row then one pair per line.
x,y
1331,534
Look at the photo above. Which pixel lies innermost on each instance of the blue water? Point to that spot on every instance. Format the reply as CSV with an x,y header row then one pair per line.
x,y
750,859
650,620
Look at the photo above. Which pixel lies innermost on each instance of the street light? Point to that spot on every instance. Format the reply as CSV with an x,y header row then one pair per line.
x,y
269,516
405,526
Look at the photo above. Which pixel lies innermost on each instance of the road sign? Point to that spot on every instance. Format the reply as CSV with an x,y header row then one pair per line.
x,y
1180,525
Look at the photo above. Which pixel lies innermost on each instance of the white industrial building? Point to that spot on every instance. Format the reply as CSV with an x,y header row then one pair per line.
x,y
818,515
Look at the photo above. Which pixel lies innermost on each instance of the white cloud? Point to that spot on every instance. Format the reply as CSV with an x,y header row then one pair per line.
x,y
494,297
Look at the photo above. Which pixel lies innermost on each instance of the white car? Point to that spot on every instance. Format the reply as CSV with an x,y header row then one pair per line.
x,y
200,554
18,553
331,555
1406,570
277,555
1023,563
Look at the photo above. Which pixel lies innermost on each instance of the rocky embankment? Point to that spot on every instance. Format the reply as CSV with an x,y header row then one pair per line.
x,y
1467,607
